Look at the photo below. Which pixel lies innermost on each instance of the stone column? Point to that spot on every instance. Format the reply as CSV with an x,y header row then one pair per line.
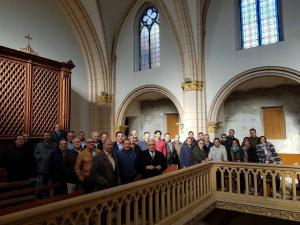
x,y
213,129
192,106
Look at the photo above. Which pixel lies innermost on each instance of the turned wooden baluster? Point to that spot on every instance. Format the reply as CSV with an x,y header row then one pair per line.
x,y
108,216
238,181
187,192
98,218
150,208
283,186
274,184
230,180
246,175
194,188
222,179
178,196
174,198
294,176
136,210
206,183
119,214
202,185
156,202
191,189
163,207
265,184
183,194
128,202
198,186
144,210
255,182
168,200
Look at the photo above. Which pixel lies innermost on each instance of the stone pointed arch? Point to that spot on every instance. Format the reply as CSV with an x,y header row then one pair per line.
x,y
120,115
229,86
94,53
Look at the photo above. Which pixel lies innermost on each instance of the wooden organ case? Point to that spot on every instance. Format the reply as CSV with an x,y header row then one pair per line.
x,y
34,93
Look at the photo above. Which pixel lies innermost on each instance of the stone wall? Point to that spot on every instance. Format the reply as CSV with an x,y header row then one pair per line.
x,y
242,111
150,115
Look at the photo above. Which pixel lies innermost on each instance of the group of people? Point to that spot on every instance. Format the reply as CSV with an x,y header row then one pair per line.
x,y
96,163
253,149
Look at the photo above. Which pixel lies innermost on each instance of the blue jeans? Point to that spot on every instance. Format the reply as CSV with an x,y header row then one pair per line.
x,y
42,179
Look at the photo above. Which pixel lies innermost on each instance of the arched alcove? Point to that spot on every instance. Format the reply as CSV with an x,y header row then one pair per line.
x,y
149,94
242,102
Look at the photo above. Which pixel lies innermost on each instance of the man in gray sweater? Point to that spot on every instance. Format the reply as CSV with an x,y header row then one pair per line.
x,y
42,154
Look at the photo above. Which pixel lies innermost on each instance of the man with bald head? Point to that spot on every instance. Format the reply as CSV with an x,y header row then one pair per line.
x,y
96,136
151,163
105,172
58,133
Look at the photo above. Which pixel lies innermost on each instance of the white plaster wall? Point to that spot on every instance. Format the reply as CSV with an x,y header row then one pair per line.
x,y
53,38
168,75
150,115
242,111
223,61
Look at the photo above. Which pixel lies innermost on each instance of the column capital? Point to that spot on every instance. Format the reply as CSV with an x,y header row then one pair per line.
x,y
213,127
120,129
193,86
105,98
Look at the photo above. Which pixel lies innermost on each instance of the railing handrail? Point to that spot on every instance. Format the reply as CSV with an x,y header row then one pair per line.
x,y
80,202
258,165
92,198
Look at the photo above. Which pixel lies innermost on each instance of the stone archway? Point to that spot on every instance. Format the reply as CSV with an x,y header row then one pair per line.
x,y
121,112
229,87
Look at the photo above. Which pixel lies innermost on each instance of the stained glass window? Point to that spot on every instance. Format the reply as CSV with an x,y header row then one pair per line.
x,y
259,22
149,39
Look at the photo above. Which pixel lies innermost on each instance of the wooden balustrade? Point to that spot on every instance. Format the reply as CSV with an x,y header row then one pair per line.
x,y
177,197
268,180
149,201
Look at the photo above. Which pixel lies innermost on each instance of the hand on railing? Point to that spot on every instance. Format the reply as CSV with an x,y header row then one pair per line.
x,y
150,167
158,167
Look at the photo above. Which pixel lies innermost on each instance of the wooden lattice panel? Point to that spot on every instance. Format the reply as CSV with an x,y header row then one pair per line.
x,y
45,99
12,95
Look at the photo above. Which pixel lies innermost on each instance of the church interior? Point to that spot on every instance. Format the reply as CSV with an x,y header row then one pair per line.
x,y
193,70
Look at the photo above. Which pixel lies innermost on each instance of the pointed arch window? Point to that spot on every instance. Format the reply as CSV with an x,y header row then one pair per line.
x,y
260,22
149,44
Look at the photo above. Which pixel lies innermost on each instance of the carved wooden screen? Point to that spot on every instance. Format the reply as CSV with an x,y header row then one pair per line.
x,y
34,93
45,99
12,96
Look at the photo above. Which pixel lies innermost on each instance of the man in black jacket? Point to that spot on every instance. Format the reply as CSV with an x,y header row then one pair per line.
x,y
151,163
18,161
57,167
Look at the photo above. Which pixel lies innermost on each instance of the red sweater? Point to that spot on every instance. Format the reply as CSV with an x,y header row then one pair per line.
x,y
160,146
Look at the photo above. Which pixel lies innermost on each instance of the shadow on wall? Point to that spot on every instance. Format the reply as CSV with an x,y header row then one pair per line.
x,y
89,116
79,112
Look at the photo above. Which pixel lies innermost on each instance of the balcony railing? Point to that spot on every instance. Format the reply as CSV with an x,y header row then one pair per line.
x,y
178,197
